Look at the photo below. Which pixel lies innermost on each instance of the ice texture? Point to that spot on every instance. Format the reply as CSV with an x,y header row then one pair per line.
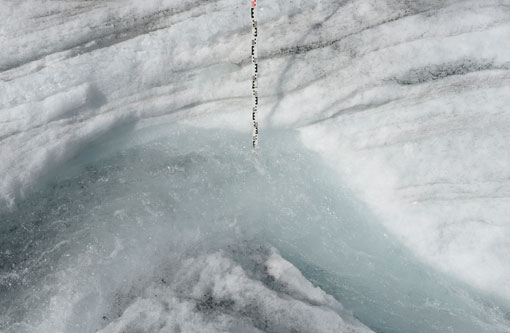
x,y
213,293
165,214
406,103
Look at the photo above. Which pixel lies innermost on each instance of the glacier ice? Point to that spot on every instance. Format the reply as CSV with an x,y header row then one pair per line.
x,y
402,216
165,214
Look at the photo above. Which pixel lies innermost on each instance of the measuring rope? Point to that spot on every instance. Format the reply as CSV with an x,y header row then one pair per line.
x,y
254,79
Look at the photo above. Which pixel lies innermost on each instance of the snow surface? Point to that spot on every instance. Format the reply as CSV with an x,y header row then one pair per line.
x,y
221,283
406,101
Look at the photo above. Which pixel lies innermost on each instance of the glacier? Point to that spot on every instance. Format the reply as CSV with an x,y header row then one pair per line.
x,y
130,199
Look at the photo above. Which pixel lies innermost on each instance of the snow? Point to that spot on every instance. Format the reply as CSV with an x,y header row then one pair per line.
x,y
406,103
219,284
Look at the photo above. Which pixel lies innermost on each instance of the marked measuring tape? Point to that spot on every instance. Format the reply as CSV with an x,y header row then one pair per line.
x,y
254,78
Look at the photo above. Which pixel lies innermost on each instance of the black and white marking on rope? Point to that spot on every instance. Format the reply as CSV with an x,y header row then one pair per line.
x,y
254,80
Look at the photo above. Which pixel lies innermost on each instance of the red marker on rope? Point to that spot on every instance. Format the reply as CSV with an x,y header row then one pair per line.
x,y
254,80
